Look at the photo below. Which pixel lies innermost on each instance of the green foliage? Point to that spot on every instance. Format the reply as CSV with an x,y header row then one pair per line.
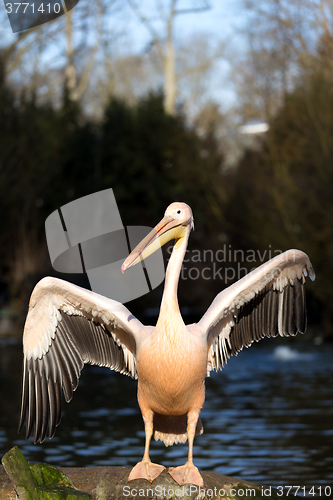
x,y
279,197
42,150
283,194
152,159
51,156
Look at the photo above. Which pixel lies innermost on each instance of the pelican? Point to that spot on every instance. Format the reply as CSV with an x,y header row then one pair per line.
x,y
68,326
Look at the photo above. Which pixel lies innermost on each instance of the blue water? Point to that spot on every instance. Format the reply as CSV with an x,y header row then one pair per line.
x,y
268,417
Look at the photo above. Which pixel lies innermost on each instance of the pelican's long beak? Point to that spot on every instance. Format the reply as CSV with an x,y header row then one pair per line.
x,y
166,230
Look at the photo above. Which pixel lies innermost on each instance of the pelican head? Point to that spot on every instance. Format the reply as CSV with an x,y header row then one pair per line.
x,y
176,223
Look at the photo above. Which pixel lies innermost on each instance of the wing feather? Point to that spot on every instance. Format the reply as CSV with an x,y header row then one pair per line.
x,y
32,399
45,407
67,327
39,402
269,301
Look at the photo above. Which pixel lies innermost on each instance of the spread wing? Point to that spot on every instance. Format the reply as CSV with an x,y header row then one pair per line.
x,y
66,327
269,301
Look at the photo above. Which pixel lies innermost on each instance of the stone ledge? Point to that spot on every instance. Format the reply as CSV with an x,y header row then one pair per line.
x,y
110,483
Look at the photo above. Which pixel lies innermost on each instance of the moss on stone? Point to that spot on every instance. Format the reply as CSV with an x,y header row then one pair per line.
x,y
48,475
39,481
58,493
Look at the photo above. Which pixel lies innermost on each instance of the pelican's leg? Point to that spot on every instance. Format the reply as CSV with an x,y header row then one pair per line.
x,y
146,469
188,473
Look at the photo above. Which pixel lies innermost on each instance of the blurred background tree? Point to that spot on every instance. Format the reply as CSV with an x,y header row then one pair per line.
x,y
82,109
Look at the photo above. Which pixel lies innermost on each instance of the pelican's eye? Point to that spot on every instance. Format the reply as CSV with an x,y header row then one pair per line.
x,y
179,212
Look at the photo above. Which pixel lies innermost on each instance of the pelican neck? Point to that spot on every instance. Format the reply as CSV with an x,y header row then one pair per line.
x,y
170,299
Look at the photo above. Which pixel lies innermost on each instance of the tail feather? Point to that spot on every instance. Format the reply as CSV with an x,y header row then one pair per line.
x,y
172,429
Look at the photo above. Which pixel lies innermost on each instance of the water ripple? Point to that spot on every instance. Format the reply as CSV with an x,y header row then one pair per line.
x,y
268,418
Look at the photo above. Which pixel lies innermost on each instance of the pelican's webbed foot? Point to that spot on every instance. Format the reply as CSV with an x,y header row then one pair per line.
x,y
186,474
145,470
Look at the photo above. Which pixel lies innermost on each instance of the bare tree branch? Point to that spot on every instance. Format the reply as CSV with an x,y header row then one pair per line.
x,y
149,26
165,44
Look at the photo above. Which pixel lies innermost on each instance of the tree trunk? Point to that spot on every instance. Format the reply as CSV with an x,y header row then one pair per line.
x,y
170,89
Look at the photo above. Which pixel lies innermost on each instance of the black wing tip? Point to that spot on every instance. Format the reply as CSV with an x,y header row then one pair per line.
x,y
20,426
258,318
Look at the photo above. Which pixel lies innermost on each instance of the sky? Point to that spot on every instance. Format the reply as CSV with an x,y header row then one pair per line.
x,y
223,19
222,22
